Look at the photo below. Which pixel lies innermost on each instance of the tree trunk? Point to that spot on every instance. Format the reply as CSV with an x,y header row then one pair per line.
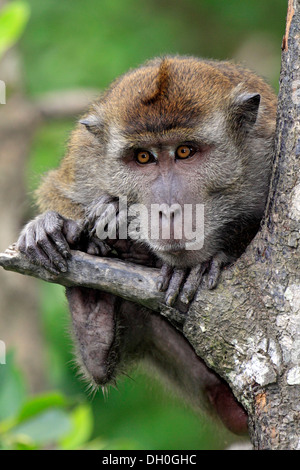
x,y
248,328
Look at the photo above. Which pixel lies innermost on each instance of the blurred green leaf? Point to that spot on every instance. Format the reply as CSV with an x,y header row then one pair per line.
x,y
123,443
40,403
12,389
82,427
13,19
44,428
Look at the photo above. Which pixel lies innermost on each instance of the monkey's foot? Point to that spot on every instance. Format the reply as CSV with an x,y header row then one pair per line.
x,y
182,284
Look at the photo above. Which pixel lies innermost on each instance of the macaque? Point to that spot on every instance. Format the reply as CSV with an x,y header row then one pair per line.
x,y
193,139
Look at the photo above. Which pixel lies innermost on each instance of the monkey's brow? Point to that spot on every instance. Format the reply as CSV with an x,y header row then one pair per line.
x,y
137,139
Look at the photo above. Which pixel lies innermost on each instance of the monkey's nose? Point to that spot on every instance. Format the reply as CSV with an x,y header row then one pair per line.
x,y
170,224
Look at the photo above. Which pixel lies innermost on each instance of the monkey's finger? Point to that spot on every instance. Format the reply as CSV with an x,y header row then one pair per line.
x,y
93,249
36,253
60,243
44,261
192,283
21,243
97,247
50,249
164,277
72,231
214,272
101,216
27,244
174,286
50,226
122,222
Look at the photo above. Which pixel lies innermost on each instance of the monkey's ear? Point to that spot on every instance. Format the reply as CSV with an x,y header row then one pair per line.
x,y
245,108
92,122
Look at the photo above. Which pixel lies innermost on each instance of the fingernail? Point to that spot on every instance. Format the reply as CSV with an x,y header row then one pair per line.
x,y
184,299
63,268
169,300
53,271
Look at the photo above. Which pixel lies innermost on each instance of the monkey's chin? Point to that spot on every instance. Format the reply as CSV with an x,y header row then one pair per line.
x,y
177,254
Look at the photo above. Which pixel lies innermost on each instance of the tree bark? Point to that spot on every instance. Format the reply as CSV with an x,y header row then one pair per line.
x,y
248,328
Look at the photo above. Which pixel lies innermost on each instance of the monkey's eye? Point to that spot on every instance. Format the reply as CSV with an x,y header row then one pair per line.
x,y
143,156
184,151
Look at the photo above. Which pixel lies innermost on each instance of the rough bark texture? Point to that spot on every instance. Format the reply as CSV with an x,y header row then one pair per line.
x,y
248,329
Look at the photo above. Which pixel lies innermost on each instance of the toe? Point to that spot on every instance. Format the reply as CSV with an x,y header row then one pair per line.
x,y
164,277
174,286
192,283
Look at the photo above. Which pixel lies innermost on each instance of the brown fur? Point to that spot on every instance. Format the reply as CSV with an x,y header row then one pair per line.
x,y
173,93
167,102
173,99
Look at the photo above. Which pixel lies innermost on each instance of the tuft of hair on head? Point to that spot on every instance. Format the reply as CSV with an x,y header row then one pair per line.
x,y
161,83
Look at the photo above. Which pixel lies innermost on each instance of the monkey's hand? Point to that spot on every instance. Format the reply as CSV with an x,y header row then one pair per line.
x,y
182,284
105,218
104,211
46,240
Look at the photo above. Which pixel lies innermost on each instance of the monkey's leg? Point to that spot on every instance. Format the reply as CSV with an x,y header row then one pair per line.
x,y
93,315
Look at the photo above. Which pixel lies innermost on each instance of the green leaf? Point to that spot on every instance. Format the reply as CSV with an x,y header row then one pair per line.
x,y
44,428
13,19
40,403
12,389
82,427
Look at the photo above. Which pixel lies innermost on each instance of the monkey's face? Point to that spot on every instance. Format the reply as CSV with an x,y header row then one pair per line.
x,y
180,187
181,139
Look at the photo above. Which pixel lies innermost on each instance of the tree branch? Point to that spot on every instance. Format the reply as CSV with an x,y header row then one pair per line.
x,y
127,280
61,104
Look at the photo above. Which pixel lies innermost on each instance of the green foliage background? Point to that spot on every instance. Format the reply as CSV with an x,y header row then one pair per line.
x,y
70,44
